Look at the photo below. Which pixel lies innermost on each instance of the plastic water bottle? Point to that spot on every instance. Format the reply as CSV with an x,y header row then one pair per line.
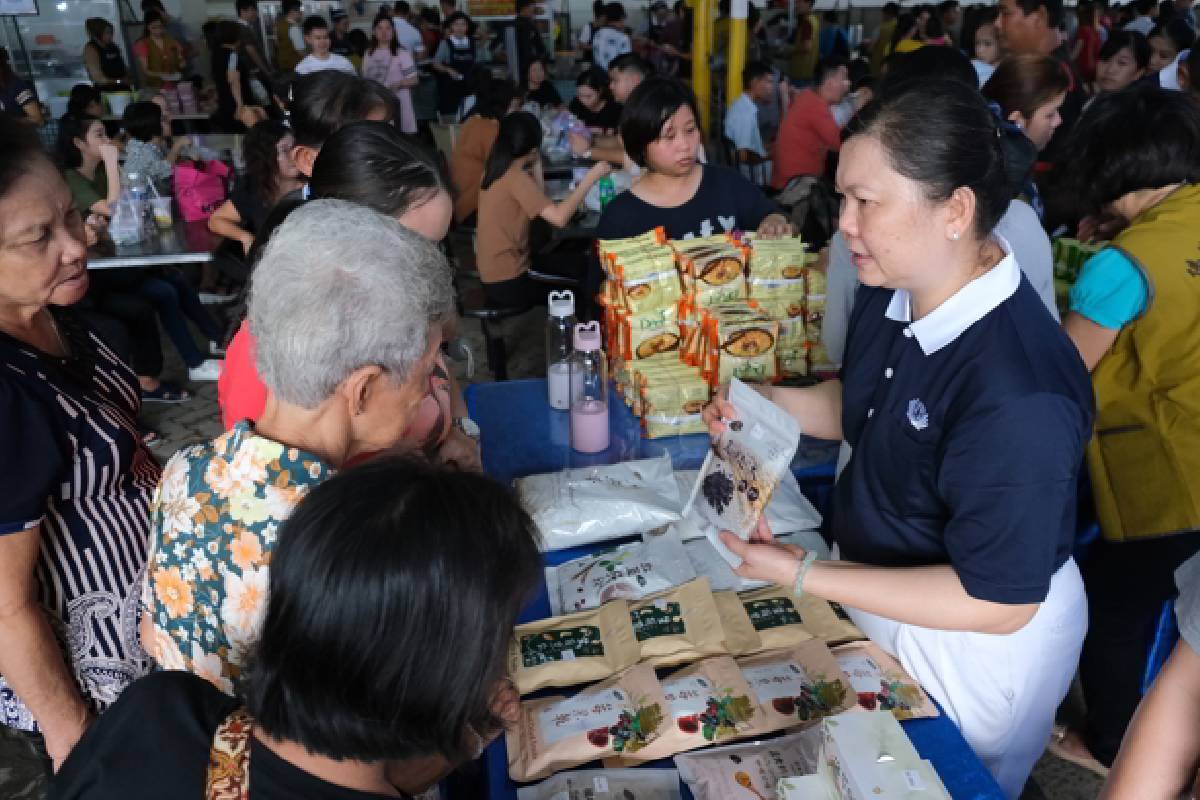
x,y
127,223
589,391
560,327
607,191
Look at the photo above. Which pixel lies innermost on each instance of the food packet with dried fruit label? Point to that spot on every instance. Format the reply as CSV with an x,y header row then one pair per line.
x,y
708,703
744,466
679,625
750,770
606,784
775,616
630,572
797,685
774,609
619,716
573,649
880,683
740,636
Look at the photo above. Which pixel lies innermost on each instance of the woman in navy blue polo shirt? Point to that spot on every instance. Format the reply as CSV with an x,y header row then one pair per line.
x,y
967,409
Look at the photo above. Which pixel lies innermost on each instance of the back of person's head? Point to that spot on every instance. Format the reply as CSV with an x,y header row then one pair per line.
x,y
82,96
389,618
1133,41
598,9
358,41
292,6
142,120
940,134
946,6
614,12
493,96
891,10
753,71
314,23
326,101
97,27
20,151
647,110
521,5
1085,12
1177,32
152,5
520,134
829,16
1144,7
381,291
370,163
226,32
933,27
401,8
71,128
631,62
928,63
1141,138
594,78
906,26
1167,11
1024,82
1053,10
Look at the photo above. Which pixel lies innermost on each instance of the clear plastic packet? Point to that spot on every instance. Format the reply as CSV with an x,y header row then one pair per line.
x,y
620,715
745,464
606,784
678,626
573,649
751,768
631,572
880,683
596,504
797,685
708,703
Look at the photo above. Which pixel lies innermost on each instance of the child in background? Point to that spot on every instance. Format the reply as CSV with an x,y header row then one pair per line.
x,y
146,153
986,50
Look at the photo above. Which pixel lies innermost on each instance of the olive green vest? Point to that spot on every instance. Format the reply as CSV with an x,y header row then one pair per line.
x,y
1144,458
804,64
286,55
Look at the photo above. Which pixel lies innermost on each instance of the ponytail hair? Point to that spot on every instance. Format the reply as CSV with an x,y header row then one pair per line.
x,y
520,134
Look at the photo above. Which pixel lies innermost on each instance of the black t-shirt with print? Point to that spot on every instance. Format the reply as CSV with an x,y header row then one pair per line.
x,y
154,743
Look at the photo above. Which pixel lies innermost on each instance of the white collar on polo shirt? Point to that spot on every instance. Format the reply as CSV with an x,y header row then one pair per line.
x,y
964,308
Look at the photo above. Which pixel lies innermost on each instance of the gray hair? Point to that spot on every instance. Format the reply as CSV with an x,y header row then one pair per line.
x,y
340,287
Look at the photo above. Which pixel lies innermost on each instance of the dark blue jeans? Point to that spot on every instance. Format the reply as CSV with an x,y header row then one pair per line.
x,y
177,302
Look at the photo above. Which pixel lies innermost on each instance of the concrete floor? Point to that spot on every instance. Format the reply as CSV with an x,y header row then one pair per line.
x,y
198,420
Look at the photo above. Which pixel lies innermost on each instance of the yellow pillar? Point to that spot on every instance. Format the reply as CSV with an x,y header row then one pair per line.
x,y
735,59
701,45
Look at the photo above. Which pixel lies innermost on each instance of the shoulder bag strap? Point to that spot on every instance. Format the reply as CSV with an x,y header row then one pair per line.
x,y
228,775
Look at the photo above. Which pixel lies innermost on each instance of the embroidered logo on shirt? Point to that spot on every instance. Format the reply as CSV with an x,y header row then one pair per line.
x,y
918,416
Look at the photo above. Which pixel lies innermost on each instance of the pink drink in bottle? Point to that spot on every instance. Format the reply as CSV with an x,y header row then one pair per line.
x,y
589,391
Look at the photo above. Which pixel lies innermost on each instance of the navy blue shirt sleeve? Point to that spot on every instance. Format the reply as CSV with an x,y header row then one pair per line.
x,y
32,461
1008,477
753,206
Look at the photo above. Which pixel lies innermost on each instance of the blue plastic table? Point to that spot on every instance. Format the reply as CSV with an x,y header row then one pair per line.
x,y
522,435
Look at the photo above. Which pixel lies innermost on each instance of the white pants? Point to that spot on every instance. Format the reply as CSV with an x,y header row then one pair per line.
x,y
1002,690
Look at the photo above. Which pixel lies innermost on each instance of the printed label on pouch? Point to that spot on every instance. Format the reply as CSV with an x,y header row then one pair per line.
x,y
589,711
687,696
781,679
772,612
657,619
565,644
863,671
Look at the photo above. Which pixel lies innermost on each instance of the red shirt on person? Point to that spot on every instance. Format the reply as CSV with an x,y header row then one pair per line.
x,y
806,136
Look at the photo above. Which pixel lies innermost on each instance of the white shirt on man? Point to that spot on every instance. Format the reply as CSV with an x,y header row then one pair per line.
x,y
607,44
310,64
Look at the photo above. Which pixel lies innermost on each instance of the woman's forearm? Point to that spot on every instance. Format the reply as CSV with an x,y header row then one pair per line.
x,y
235,86
931,597
1161,749
818,408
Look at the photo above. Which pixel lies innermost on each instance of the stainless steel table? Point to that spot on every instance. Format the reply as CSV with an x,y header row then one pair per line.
x,y
185,243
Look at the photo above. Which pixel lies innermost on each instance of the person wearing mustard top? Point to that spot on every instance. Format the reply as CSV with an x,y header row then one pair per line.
x,y
159,56
513,195
1133,315
967,410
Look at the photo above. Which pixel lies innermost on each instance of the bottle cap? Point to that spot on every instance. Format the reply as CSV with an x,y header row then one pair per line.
x,y
562,304
587,336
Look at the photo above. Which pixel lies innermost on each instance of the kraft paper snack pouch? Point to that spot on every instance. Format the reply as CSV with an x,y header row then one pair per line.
x,y
744,465
776,616
679,625
606,784
708,703
740,636
880,683
619,716
797,685
629,572
827,622
573,649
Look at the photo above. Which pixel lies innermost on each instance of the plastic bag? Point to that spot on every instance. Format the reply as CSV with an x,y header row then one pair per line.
x,y
744,466
631,571
596,504
751,768
606,784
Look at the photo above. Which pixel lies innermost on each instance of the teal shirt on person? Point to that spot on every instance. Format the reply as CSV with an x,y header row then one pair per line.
x,y
1111,291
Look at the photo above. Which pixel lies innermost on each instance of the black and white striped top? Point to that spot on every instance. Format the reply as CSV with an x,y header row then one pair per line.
x,y
71,460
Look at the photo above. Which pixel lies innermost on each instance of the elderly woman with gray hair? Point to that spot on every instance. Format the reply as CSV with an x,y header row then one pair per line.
x,y
349,306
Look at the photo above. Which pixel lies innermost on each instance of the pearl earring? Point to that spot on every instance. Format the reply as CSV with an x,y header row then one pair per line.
x,y
954,235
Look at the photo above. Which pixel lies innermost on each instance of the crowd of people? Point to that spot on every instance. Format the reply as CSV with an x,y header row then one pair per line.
x,y
318,590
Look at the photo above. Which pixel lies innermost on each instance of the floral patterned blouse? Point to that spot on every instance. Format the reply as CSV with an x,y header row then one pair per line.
x,y
215,519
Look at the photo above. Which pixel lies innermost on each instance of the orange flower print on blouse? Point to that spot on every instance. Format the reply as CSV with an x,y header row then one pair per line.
x,y
215,519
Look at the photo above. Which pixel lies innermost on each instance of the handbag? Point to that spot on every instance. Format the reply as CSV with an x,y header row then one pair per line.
x,y
200,188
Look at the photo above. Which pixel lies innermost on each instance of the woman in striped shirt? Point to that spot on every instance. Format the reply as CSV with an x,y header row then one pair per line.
x,y
75,480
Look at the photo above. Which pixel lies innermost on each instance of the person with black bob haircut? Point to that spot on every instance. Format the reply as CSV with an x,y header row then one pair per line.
x,y
661,133
1132,314
381,664
967,410
593,104
1124,58
146,152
